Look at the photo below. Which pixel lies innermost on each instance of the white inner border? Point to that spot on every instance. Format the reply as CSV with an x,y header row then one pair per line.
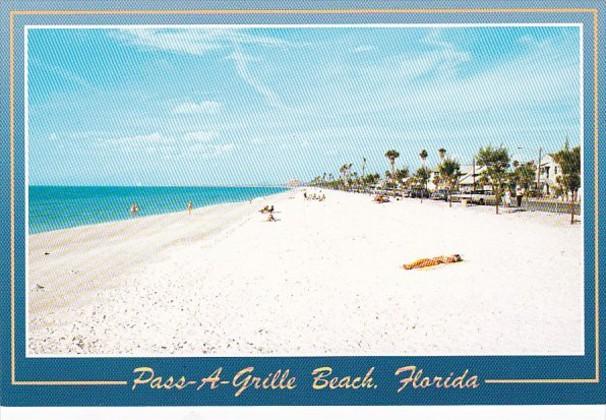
x,y
580,26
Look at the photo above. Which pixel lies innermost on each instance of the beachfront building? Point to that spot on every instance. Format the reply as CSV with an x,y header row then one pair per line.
x,y
470,177
468,181
432,184
293,183
548,175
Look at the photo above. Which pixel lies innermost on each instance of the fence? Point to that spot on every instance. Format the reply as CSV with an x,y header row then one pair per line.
x,y
550,205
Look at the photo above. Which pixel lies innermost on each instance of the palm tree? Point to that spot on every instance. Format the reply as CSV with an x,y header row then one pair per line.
x,y
344,170
496,161
363,166
392,155
442,153
422,175
523,174
423,155
402,173
371,179
570,179
449,171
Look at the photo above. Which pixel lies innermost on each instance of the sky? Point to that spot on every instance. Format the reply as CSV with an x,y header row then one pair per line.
x,y
262,105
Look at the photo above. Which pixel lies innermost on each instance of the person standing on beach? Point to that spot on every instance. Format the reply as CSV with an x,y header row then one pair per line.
x,y
190,207
508,198
519,194
134,209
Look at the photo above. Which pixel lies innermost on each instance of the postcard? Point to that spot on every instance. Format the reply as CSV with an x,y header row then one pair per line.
x,y
310,203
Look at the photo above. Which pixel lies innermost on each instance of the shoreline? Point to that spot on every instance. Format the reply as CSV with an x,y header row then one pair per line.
x,y
132,218
121,235
241,286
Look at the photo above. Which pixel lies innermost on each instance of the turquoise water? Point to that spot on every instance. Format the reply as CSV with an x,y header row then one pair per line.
x,y
52,208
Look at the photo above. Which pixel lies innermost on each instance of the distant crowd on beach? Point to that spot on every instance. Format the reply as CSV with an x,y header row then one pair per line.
x,y
268,209
313,196
134,208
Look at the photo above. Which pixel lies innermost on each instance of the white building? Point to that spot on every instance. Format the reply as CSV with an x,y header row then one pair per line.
x,y
294,183
470,176
468,181
549,171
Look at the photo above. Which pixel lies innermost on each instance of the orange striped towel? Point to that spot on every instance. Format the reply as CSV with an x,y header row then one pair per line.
x,y
430,262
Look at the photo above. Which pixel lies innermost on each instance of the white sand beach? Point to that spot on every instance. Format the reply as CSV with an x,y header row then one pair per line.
x,y
325,279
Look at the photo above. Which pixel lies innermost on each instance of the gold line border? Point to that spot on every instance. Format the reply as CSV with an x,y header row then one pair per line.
x,y
13,13
11,96
596,230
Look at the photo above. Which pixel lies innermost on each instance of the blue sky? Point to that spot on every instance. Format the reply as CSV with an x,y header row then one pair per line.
x,y
259,106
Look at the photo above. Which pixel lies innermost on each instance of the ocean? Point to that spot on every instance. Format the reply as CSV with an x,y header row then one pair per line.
x,y
54,207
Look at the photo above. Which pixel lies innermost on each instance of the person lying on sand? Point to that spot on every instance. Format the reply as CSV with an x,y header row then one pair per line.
x,y
267,209
271,217
430,262
380,198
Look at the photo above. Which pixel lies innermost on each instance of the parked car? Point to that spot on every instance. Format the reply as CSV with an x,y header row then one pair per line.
x,y
419,193
440,195
483,197
458,196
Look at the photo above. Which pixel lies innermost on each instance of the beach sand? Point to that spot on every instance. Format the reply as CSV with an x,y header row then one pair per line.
x,y
326,279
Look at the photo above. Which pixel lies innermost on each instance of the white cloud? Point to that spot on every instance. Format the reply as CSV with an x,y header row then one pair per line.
x,y
532,42
434,38
443,60
363,49
64,73
241,60
146,138
526,81
204,107
205,150
436,86
83,135
202,136
199,41
197,143
440,59
195,41
224,148
152,140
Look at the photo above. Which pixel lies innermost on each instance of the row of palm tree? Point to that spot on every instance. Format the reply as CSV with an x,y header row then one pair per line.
x,y
498,172
395,177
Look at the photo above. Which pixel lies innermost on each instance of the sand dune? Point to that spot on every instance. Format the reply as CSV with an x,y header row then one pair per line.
x,y
326,279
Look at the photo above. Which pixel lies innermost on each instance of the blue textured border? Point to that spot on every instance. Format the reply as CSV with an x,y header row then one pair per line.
x,y
34,381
